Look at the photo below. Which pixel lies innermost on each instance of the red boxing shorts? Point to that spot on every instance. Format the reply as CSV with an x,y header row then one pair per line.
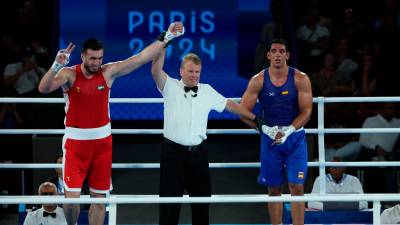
x,y
88,154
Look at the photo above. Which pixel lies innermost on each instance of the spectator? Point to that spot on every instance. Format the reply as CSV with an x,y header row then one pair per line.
x,y
29,24
367,75
40,53
355,32
329,82
347,152
391,215
58,179
48,214
312,39
380,147
337,181
345,65
23,76
387,44
311,33
10,51
390,7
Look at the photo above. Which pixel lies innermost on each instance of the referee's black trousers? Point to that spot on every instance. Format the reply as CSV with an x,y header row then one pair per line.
x,y
183,167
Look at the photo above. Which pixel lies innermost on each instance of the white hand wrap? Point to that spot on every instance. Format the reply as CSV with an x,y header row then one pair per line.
x,y
287,131
270,131
56,67
169,35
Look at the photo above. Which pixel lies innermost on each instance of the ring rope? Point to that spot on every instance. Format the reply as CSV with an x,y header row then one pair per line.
x,y
160,100
113,200
211,131
248,198
212,165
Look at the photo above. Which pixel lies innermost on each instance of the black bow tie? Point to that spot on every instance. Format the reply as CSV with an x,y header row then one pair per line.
x,y
194,89
46,214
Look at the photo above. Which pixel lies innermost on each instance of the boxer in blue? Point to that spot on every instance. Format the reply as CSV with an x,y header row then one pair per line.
x,y
286,99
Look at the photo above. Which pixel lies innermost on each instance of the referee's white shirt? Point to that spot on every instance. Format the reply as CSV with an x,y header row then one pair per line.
x,y
186,116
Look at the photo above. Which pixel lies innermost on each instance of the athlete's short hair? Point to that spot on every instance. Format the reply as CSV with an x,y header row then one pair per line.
x,y
278,41
93,44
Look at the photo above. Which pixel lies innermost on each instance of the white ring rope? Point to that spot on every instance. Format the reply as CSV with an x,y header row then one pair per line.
x,y
153,199
160,100
61,100
212,165
113,200
358,99
211,131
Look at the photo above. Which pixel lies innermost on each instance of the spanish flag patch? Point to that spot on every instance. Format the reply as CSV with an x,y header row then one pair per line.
x,y
285,92
300,175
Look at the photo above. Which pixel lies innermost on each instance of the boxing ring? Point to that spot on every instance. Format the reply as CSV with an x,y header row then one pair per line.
x,y
114,200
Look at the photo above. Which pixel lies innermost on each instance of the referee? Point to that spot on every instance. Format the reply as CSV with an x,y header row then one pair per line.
x,y
184,159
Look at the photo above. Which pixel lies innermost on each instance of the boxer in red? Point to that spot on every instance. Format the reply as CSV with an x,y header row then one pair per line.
x,y
87,142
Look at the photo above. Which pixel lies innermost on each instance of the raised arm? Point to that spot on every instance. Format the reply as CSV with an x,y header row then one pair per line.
x,y
249,98
128,65
159,76
57,76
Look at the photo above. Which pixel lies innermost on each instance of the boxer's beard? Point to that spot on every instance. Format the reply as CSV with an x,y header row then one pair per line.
x,y
87,68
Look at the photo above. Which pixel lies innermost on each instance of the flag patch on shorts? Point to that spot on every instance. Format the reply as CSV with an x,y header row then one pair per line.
x,y
300,175
285,92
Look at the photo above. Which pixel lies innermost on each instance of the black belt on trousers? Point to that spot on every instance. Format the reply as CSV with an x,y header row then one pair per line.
x,y
189,147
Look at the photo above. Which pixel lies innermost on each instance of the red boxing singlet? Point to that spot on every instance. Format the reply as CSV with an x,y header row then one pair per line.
x,y
86,102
